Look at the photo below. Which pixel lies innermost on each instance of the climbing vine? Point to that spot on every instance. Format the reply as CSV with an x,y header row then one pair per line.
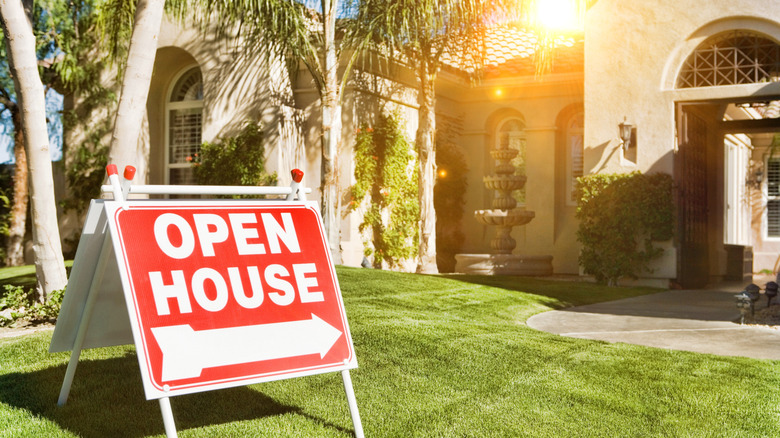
x,y
385,174
621,217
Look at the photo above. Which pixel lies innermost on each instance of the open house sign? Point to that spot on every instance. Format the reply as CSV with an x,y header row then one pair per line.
x,y
227,293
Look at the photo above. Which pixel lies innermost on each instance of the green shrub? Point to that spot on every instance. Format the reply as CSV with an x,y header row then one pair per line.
x,y
386,173
620,216
234,161
21,304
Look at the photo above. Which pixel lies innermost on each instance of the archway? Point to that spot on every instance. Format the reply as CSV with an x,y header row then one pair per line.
x,y
716,140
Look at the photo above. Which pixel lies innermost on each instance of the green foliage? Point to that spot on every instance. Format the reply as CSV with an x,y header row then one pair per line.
x,y
620,216
21,304
86,170
385,172
448,200
234,161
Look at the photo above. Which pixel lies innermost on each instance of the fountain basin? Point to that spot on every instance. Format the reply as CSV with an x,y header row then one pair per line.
x,y
504,154
503,264
506,218
504,182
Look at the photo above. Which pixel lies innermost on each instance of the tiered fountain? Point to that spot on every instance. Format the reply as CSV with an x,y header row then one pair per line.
x,y
505,215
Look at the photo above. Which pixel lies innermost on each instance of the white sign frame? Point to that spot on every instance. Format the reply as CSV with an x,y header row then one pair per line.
x,y
89,313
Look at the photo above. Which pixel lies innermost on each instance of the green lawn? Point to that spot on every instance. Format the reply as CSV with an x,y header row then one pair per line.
x,y
439,357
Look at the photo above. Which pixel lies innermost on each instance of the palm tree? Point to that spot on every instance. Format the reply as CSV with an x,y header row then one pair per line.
x,y
423,32
300,31
429,32
14,254
17,28
124,148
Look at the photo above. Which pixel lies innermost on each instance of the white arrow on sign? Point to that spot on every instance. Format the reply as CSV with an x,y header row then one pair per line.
x,y
187,352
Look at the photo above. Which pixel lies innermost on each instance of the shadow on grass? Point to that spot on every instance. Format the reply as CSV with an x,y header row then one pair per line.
x,y
107,399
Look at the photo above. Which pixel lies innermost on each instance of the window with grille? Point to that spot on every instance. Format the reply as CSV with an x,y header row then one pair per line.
x,y
185,123
773,197
731,58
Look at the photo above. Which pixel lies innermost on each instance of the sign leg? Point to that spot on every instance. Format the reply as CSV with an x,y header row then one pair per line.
x,y
167,414
353,409
97,278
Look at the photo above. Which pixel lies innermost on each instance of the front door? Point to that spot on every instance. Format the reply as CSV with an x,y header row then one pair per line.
x,y
692,209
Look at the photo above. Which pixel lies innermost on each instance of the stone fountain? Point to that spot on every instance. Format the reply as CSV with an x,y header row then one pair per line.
x,y
504,215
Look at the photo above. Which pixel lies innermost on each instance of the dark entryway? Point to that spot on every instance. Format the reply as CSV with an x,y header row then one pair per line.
x,y
691,176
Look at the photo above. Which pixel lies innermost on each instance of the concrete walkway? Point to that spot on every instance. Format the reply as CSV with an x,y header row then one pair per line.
x,y
701,321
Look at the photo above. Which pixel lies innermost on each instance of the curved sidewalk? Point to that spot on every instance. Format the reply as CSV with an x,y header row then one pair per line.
x,y
701,321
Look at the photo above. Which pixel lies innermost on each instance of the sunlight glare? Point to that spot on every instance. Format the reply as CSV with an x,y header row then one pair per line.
x,y
558,15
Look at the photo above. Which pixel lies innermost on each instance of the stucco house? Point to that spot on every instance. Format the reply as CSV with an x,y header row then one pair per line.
x,y
697,81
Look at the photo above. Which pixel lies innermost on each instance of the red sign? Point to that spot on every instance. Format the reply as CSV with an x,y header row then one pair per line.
x,y
228,293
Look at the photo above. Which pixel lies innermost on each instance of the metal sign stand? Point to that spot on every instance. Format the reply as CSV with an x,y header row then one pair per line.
x,y
120,191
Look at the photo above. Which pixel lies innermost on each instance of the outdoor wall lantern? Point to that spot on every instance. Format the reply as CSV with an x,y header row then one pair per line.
x,y
626,131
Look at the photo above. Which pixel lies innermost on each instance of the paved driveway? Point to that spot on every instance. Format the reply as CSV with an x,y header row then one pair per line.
x,y
701,321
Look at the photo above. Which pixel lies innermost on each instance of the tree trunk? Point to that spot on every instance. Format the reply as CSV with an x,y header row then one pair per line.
x,y
49,265
331,133
126,149
14,250
426,154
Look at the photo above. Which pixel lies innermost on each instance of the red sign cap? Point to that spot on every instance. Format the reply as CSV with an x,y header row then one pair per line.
x,y
129,172
297,175
111,169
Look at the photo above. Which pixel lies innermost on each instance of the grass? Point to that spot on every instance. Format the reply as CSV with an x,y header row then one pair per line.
x,y
439,357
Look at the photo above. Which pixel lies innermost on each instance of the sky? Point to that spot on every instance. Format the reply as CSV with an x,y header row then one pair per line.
x,y
53,109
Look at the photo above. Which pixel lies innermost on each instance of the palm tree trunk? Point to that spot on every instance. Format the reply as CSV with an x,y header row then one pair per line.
x,y
14,249
426,154
49,265
331,130
125,148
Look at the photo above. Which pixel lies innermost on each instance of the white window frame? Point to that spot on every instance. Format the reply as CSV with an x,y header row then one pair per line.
x,y
770,197
170,106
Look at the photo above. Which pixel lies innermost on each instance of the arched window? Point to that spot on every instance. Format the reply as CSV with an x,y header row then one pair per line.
x,y
731,58
574,155
511,135
184,123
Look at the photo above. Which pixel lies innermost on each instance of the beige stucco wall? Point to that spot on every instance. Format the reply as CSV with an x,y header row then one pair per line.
x,y
633,51
239,84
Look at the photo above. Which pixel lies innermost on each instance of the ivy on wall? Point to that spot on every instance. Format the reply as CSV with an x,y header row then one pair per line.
x,y
621,217
386,175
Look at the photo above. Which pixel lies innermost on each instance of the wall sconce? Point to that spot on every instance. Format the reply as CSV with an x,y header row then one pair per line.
x,y
626,131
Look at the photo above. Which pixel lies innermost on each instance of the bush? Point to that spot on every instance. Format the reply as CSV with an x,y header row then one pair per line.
x,y
621,215
234,161
18,303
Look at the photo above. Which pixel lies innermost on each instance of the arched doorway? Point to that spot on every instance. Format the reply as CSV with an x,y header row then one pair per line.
x,y
716,140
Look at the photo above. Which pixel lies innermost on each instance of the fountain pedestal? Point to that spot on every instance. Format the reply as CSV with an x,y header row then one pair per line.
x,y
504,216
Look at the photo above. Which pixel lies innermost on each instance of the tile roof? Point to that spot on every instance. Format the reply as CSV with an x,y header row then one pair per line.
x,y
510,52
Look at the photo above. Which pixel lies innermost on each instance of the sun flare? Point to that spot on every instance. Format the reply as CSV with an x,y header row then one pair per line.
x,y
558,15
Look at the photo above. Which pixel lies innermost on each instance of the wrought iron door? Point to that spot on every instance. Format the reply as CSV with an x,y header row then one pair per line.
x,y
692,205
